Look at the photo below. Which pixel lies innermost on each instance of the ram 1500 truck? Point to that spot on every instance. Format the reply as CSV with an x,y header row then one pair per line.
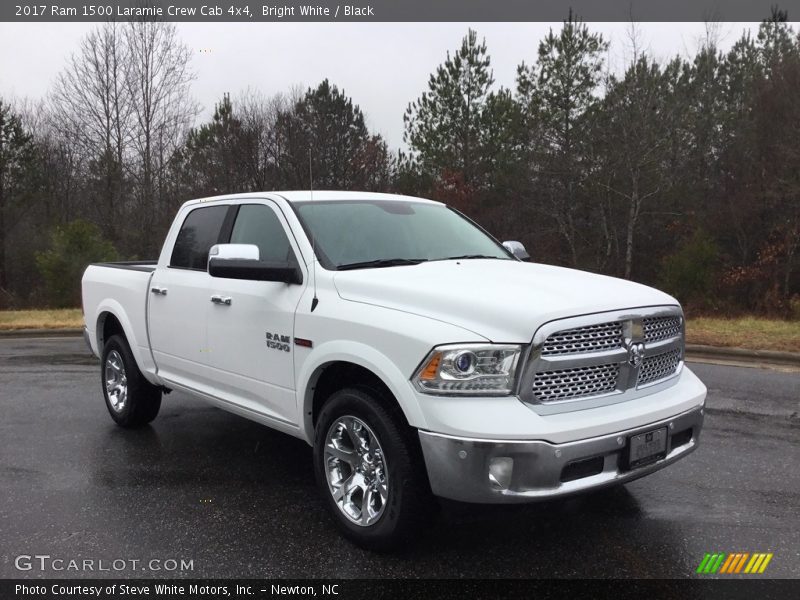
x,y
417,355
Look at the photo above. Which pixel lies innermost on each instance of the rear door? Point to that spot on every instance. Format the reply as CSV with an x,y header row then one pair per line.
x,y
179,298
250,340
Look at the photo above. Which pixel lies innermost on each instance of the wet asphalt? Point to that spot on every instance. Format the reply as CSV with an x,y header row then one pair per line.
x,y
238,499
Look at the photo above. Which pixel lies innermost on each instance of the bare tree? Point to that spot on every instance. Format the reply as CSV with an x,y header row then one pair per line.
x,y
261,151
60,169
157,79
91,108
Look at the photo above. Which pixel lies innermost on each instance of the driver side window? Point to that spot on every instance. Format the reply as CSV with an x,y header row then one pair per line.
x,y
258,224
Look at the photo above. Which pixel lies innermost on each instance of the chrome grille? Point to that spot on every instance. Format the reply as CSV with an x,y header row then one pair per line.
x,y
661,328
587,361
582,382
594,338
660,366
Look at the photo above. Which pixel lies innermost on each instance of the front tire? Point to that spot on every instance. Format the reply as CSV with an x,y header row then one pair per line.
x,y
131,400
370,471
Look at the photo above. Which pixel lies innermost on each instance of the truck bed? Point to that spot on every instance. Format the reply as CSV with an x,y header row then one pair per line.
x,y
122,289
148,266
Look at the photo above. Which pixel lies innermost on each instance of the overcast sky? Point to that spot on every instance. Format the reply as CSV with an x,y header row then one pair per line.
x,y
382,66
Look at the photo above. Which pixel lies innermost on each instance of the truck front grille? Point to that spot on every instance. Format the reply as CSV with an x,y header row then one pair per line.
x,y
582,382
660,366
594,338
661,328
588,361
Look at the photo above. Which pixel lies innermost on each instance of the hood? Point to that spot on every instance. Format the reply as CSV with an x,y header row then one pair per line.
x,y
501,300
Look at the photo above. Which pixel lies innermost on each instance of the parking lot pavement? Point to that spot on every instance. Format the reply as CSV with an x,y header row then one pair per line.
x,y
238,500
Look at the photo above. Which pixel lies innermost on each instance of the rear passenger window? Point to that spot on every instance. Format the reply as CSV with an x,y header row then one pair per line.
x,y
199,232
258,224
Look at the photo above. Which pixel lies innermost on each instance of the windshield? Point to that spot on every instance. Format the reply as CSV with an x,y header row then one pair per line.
x,y
363,234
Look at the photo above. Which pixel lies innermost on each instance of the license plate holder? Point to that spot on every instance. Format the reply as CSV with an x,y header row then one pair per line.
x,y
647,447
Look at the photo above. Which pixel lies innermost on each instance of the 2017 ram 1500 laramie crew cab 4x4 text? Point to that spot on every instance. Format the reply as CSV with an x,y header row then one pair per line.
x,y
420,357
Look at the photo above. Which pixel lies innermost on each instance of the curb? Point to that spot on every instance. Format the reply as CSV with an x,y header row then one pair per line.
x,y
696,352
39,333
742,355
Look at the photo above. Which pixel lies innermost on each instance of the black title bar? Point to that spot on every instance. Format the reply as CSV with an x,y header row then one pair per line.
x,y
744,588
396,10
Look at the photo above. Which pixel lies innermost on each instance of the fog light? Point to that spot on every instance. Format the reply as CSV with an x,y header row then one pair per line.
x,y
500,469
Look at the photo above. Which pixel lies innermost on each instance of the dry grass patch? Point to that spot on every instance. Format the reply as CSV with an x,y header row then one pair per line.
x,y
67,318
754,333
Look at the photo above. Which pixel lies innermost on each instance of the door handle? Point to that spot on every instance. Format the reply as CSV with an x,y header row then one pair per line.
x,y
159,291
223,300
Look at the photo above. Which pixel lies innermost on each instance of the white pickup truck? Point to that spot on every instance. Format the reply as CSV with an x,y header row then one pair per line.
x,y
415,353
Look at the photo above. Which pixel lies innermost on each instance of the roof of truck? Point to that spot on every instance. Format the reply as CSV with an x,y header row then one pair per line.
x,y
319,195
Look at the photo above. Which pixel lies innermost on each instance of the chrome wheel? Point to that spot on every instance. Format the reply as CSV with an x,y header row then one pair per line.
x,y
116,381
356,470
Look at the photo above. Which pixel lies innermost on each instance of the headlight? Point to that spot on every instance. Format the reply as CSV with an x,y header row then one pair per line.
x,y
469,369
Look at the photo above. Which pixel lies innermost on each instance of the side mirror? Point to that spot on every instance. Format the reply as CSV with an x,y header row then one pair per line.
x,y
242,261
234,251
517,249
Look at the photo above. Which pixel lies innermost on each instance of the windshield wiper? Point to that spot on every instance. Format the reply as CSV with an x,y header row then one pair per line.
x,y
382,262
468,256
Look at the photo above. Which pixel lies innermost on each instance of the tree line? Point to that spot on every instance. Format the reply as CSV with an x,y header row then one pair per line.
x,y
682,173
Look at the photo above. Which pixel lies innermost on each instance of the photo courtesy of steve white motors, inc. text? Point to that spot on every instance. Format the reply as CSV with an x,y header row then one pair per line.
x,y
139,590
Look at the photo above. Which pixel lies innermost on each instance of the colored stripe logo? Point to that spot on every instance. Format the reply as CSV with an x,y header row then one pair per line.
x,y
734,563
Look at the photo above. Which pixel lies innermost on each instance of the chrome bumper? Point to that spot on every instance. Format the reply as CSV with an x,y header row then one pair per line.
x,y
459,468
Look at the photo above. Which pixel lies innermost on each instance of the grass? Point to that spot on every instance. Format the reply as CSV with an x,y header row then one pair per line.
x,y
67,318
754,333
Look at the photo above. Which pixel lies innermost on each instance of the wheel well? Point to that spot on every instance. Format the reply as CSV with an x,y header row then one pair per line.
x,y
341,374
108,325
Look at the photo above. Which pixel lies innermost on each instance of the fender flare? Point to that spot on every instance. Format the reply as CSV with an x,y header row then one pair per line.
x,y
112,307
364,356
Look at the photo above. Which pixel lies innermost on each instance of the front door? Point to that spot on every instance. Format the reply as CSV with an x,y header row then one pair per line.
x,y
250,339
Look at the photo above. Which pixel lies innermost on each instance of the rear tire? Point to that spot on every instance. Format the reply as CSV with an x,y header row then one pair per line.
x,y
131,400
370,470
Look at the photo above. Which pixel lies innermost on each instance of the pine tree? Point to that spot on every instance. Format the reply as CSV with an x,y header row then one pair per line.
x,y
557,93
17,176
213,153
344,154
445,127
641,119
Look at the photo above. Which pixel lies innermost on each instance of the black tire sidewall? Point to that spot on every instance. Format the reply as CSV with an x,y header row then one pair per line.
x,y
144,399
396,525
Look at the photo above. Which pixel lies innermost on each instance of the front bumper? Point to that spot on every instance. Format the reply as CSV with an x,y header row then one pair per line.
x,y
459,468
